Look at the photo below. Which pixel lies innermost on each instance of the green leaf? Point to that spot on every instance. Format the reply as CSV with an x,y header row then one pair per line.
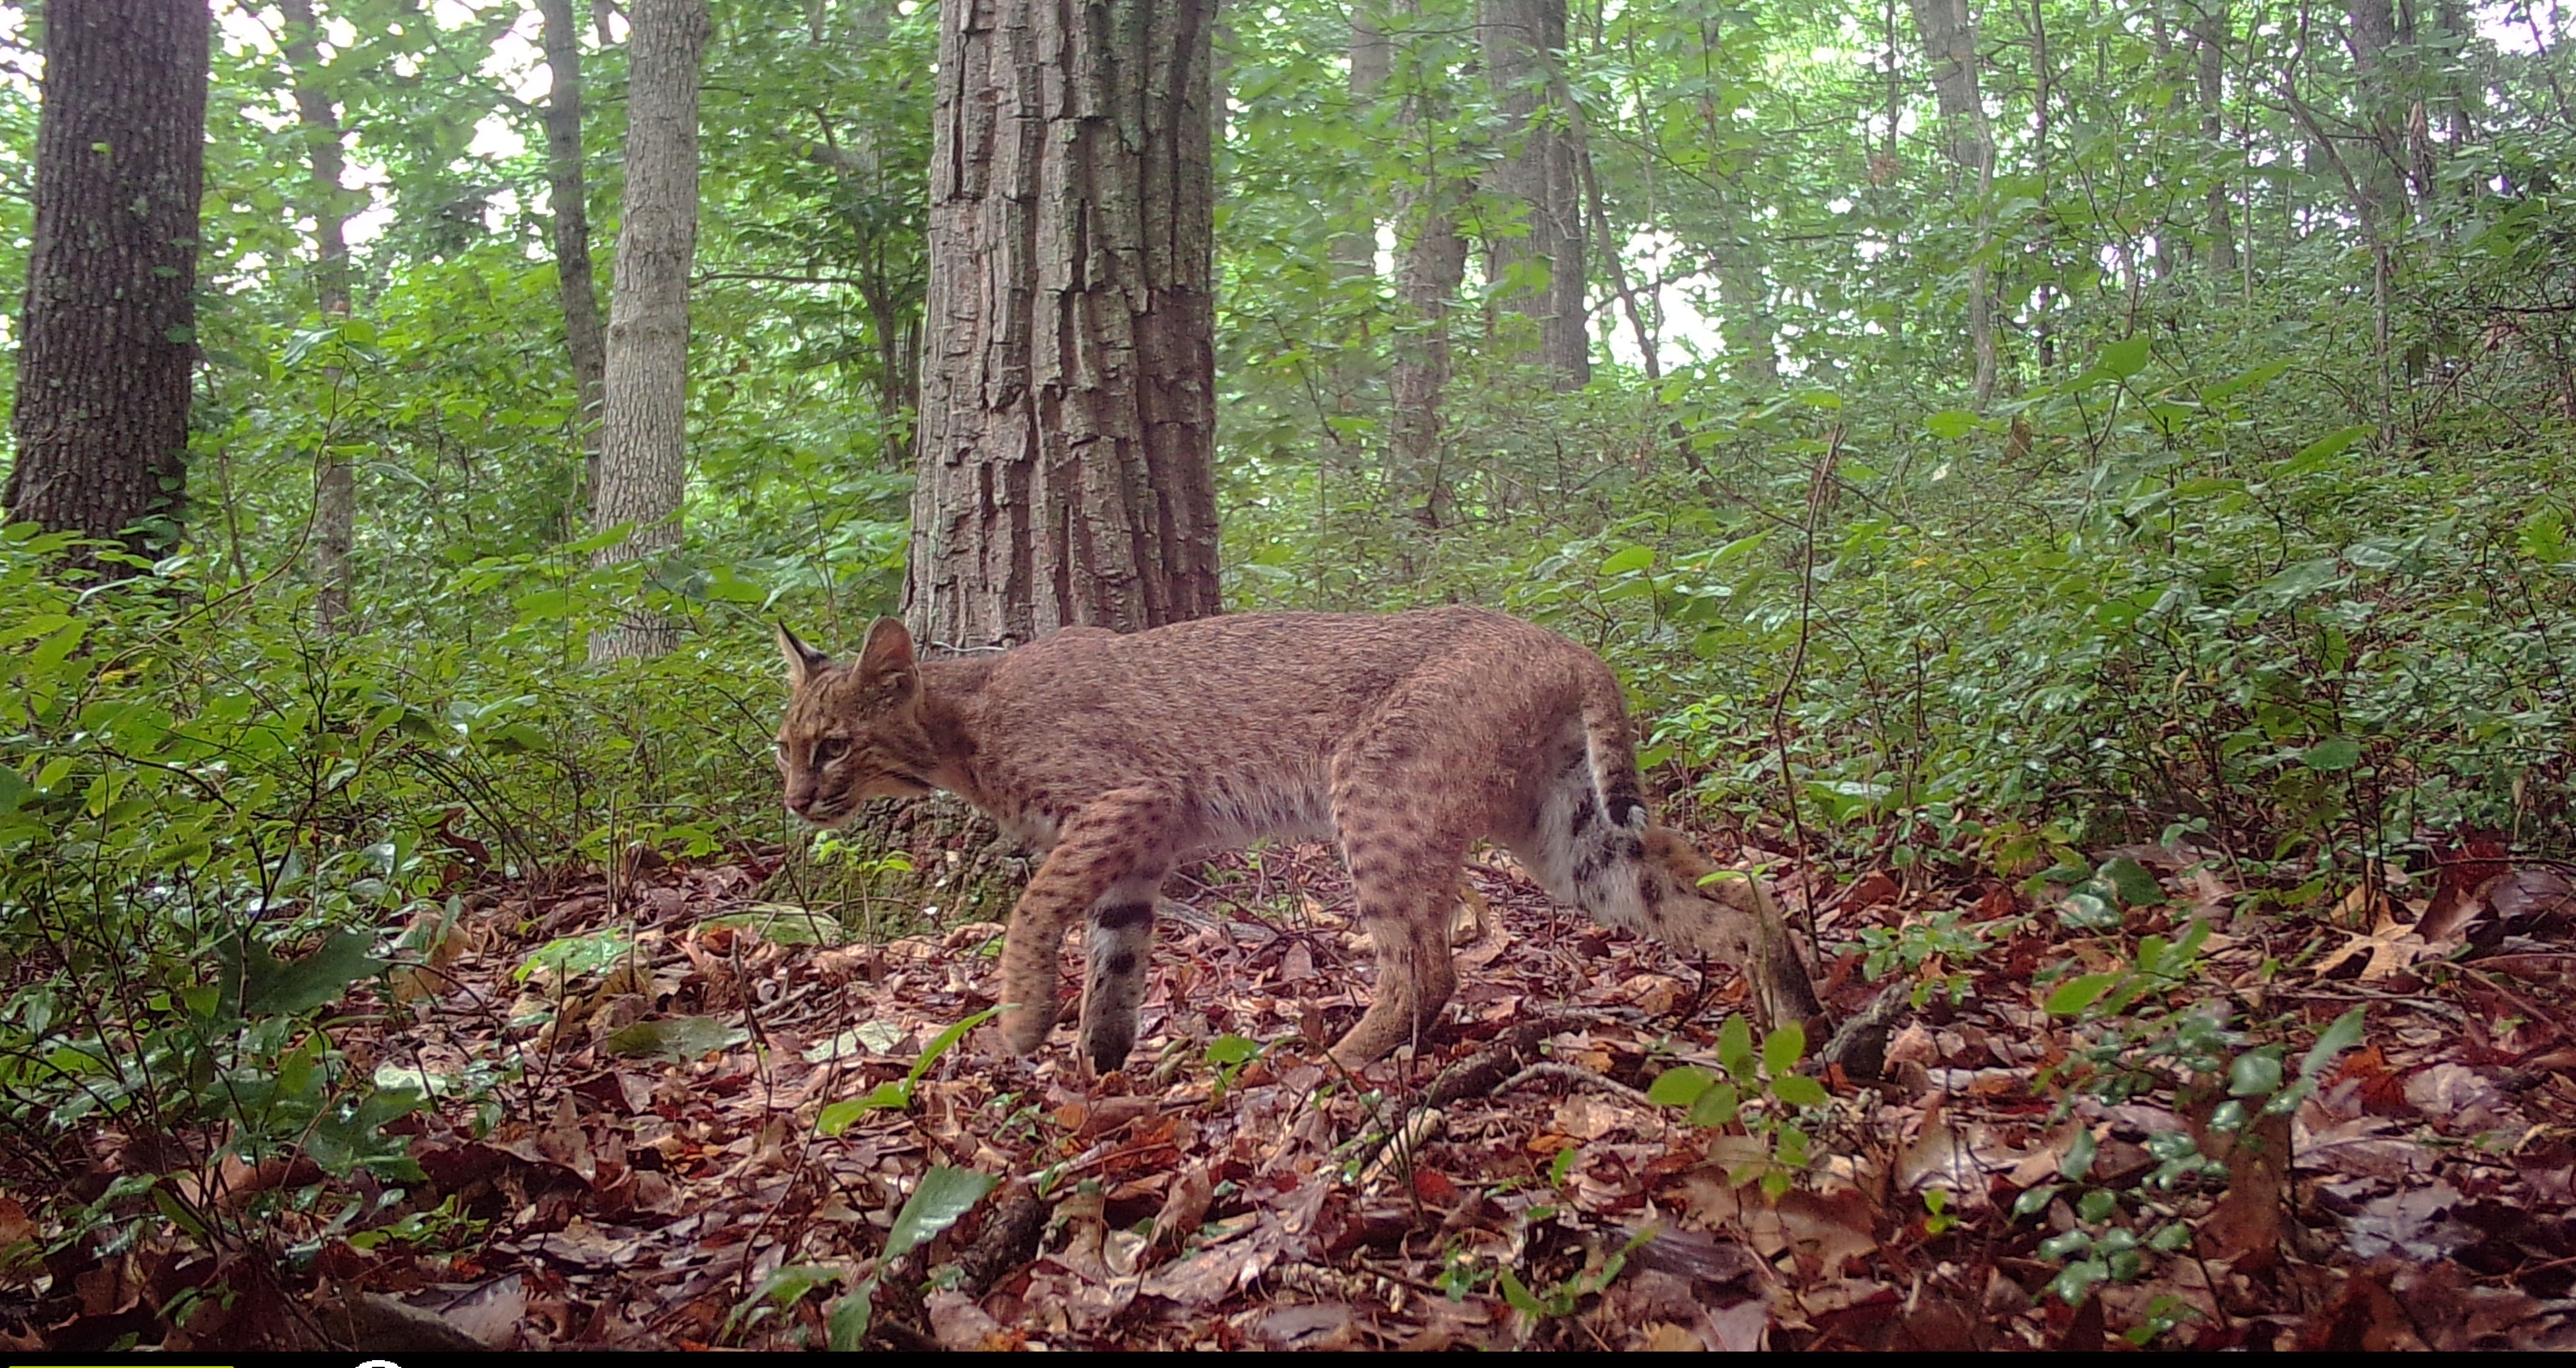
x,y
1735,1047
847,1325
269,986
1231,1049
783,924
1783,1048
2079,1157
1717,1106
2034,1200
2078,993
2132,881
1518,1295
1679,1087
945,1195
1628,560
2254,1075
2088,912
1950,423
2333,755
1798,1090
2301,581
2314,455
545,605
2341,1036
2125,357
572,956
941,1043
839,1116
675,1038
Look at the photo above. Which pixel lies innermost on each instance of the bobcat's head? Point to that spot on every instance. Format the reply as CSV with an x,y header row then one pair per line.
x,y
853,729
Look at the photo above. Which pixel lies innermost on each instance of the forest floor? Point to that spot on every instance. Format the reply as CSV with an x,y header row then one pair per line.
x,y
657,1176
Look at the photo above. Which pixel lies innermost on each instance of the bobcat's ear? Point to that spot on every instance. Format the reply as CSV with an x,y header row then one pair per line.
x,y
803,661
887,658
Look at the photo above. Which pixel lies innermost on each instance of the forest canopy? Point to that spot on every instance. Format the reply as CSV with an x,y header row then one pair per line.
x,y
1989,442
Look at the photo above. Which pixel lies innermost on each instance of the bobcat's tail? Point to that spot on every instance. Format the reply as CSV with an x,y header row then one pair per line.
x,y
1613,752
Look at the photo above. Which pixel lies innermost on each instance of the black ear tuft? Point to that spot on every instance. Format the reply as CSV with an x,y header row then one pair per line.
x,y
803,661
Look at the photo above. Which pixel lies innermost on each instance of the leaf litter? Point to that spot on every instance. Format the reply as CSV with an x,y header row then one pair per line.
x,y
720,1123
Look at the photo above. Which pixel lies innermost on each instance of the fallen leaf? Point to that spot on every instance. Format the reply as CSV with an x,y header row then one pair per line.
x,y
675,1038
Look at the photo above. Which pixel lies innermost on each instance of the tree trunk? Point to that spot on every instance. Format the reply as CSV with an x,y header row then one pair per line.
x,y
110,321
643,465
1067,428
1428,275
335,495
1372,61
1949,34
1523,44
2209,33
568,195
2373,33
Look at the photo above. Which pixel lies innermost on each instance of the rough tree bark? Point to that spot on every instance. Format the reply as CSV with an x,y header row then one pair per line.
x,y
335,491
1949,33
1433,264
643,465
110,321
568,196
1067,401
1523,45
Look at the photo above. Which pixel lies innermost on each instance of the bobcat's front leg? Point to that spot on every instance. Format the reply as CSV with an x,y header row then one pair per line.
x,y
1113,982
1109,841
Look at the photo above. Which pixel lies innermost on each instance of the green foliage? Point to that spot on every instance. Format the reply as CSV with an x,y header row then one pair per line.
x,y
1229,1055
944,1195
1756,1092
897,1095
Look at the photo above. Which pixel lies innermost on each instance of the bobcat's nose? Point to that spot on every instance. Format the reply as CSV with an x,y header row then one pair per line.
x,y
799,804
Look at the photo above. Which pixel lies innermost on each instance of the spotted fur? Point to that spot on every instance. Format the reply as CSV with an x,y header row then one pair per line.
x,y
1406,737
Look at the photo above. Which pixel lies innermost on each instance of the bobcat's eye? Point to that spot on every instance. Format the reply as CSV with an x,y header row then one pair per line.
x,y
830,749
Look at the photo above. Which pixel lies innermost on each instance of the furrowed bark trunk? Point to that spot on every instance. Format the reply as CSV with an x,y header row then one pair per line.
x,y
110,323
643,429
1523,44
1067,430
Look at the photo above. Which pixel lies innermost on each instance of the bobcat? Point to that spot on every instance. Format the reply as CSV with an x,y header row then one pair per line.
x,y
1408,736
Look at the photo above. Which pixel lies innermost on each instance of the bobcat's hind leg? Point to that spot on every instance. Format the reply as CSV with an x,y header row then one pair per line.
x,y
1111,840
1406,877
1113,985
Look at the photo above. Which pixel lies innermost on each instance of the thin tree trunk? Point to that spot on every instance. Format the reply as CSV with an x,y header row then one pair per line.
x,y
2381,175
110,320
335,496
1523,44
1354,253
643,429
1949,34
2209,34
2043,320
568,195
1067,431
